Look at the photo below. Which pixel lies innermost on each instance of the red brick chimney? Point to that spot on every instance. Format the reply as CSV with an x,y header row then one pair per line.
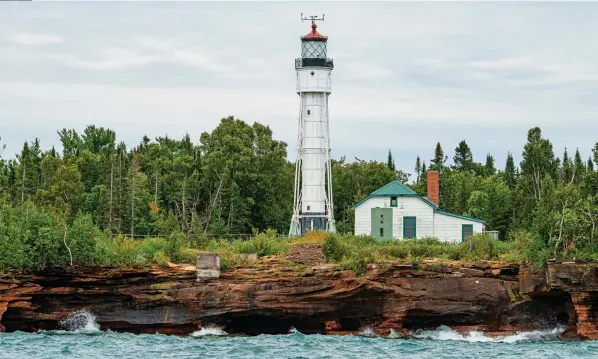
x,y
434,187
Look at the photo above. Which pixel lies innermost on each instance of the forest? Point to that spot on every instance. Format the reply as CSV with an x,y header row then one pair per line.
x,y
237,180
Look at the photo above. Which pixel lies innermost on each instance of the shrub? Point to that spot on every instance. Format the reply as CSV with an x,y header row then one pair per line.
x,y
174,245
334,251
479,246
264,244
356,264
160,258
189,255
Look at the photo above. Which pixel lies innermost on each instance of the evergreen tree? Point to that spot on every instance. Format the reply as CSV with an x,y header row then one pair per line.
x,y
489,169
418,169
390,162
567,167
590,165
437,163
579,168
463,158
510,178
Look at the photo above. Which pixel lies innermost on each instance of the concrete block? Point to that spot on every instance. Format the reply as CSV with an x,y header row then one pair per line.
x,y
208,266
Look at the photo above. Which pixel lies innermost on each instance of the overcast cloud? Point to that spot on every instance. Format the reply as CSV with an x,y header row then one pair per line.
x,y
406,76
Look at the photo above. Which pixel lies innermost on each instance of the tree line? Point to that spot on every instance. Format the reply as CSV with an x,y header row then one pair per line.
x,y
237,179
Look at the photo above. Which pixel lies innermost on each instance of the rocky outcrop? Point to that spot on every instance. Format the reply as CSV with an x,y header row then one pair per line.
x,y
307,254
270,297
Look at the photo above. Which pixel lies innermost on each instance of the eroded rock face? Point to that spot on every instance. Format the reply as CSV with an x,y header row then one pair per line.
x,y
271,298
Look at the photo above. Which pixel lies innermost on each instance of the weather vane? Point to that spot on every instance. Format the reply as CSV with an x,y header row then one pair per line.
x,y
313,18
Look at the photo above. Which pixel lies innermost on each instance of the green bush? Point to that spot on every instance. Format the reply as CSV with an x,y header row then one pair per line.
x,y
333,249
264,244
189,255
160,258
174,244
356,264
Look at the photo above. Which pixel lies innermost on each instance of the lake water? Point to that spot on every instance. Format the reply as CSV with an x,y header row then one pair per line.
x,y
84,340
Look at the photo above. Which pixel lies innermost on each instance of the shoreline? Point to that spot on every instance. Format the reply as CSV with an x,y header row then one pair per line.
x,y
270,296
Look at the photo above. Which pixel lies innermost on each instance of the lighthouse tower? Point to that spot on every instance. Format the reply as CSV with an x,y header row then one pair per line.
x,y
312,203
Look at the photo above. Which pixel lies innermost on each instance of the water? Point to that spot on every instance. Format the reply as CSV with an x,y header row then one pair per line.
x,y
81,338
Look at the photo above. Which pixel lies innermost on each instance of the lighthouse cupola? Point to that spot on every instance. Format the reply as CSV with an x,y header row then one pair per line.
x,y
313,45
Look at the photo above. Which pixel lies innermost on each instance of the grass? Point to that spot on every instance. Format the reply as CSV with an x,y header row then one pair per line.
x,y
351,252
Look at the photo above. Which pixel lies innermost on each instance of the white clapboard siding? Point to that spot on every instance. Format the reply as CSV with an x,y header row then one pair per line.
x,y
449,229
413,207
363,214
406,206
428,222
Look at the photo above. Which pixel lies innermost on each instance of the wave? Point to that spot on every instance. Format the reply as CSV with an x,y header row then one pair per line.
x,y
446,333
80,321
293,330
367,332
393,334
208,331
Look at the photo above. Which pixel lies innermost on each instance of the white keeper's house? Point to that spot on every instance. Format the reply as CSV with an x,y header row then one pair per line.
x,y
395,211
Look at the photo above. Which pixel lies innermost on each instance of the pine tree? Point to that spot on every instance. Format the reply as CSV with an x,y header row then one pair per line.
x,y
579,167
567,169
418,169
390,162
439,159
463,158
590,165
423,177
489,168
510,171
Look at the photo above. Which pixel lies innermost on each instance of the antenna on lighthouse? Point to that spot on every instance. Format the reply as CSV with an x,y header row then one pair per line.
x,y
313,18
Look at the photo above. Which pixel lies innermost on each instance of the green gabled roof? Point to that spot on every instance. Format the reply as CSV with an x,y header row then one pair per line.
x,y
451,214
392,189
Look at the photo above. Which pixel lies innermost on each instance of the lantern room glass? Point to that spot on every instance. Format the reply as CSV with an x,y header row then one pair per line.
x,y
313,49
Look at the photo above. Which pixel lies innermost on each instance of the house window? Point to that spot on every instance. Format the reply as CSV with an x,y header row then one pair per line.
x,y
409,227
466,231
308,112
307,208
393,201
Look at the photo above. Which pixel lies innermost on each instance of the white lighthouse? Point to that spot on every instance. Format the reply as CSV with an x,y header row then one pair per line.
x,y
312,203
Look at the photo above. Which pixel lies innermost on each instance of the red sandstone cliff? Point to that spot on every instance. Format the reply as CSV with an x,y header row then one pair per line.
x,y
271,298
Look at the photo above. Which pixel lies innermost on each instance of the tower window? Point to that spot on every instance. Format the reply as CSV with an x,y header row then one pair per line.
x,y
381,232
381,219
308,208
308,112
312,73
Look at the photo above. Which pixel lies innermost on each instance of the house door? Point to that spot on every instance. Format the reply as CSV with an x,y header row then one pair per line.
x,y
382,223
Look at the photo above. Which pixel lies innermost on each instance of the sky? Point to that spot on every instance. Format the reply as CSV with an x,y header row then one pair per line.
x,y
407,75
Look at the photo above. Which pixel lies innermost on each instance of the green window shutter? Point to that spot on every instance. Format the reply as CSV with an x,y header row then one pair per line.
x,y
466,231
409,227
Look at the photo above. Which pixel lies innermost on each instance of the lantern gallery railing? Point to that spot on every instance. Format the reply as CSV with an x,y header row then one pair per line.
x,y
300,63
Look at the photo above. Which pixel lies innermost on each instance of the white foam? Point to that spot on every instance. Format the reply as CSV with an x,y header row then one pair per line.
x,y
80,321
393,334
446,333
367,332
208,331
293,330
